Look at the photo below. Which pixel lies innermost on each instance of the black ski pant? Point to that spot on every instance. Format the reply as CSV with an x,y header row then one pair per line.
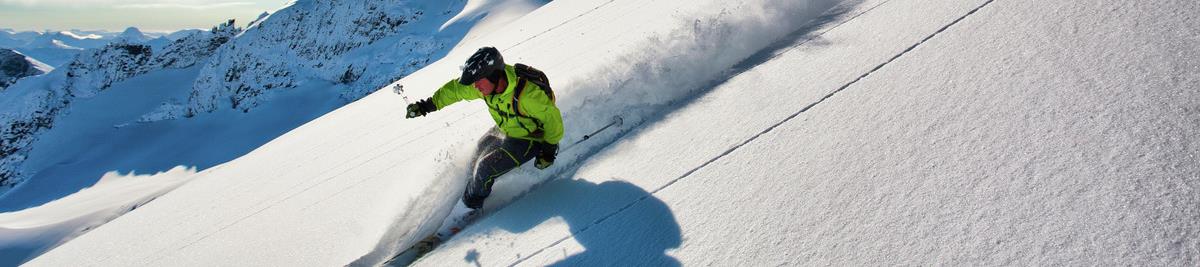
x,y
496,155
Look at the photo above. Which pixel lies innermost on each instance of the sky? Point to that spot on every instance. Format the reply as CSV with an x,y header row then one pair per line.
x,y
116,15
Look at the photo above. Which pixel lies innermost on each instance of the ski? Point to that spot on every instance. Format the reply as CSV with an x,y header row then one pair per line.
x,y
432,241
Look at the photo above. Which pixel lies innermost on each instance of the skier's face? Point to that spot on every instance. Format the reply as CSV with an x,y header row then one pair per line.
x,y
485,86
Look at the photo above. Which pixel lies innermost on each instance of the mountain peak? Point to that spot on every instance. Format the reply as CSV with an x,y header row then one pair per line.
x,y
132,30
133,34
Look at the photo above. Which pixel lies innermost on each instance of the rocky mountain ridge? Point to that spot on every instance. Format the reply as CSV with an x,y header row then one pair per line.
x,y
34,108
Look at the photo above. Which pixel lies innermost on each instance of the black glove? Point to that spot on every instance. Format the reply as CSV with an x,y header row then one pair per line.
x,y
546,153
422,107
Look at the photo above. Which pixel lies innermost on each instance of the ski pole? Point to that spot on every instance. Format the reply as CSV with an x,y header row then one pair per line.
x,y
399,90
617,121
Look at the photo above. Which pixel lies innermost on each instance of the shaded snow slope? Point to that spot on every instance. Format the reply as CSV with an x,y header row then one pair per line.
x,y
28,233
1005,138
489,16
35,107
361,181
76,153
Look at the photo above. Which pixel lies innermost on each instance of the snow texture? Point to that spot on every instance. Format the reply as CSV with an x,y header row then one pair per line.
x,y
988,133
30,232
771,132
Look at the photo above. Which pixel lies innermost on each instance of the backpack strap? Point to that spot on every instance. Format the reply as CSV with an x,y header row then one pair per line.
x,y
516,105
526,74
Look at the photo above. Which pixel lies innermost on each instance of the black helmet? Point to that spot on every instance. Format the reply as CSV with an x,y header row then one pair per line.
x,y
483,64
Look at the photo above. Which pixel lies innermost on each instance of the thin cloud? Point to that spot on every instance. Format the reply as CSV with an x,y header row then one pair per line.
x,y
128,4
185,6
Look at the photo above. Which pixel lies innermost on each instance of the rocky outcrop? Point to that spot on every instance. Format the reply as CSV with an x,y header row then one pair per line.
x,y
14,66
360,44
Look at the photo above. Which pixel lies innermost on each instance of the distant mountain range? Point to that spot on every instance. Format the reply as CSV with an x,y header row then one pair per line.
x,y
58,47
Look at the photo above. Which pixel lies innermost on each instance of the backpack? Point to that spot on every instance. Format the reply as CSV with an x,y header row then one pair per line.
x,y
527,74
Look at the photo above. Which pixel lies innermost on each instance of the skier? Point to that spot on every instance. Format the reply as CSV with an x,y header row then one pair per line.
x,y
522,104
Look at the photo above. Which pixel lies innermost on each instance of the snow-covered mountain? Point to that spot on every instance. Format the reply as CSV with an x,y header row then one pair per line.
x,y
56,48
180,34
59,48
133,35
761,133
53,52
34,105
68,39
10,38
359,46
14,66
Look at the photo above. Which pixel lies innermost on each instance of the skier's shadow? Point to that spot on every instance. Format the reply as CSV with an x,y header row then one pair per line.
x,y
617,223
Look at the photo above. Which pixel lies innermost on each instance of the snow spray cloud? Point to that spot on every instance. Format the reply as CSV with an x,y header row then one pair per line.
x,y
682,64
432,204
666,71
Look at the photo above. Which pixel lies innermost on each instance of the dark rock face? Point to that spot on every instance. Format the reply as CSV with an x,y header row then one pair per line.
x,y
14,66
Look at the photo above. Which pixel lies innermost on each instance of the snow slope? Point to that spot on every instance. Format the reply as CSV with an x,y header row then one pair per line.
x,y
982,132
30,232
1003,138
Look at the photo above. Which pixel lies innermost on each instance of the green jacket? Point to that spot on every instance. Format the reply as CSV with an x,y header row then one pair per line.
x,y
538,120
